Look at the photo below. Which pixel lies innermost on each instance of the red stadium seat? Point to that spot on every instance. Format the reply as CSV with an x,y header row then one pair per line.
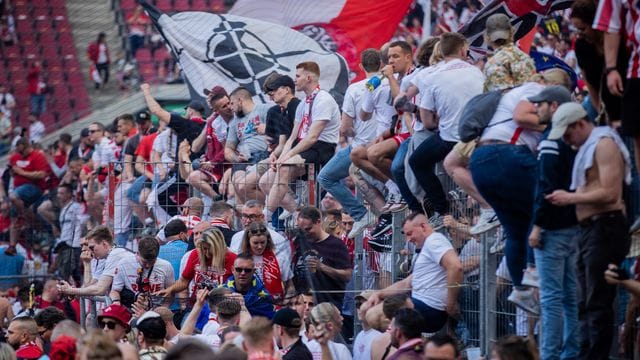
x,y
128,4
181,5
200,5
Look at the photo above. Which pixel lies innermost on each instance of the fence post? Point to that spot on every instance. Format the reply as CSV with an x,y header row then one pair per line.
x,y
83,313
397,244
487,293
358,284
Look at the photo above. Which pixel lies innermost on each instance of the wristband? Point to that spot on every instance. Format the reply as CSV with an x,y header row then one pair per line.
x,y
610,69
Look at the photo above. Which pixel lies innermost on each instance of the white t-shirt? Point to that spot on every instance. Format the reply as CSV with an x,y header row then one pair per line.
x,y
220,128
127,275
212,326
364,132
212,341
380,104
165,145
283,250
108,266
362,344
404,86
338,350
451,87
470,249
429,282
324,108
36,132
105,153
502,127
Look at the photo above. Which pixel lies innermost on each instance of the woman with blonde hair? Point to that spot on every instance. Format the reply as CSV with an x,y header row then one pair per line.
x,y
209,265
274,272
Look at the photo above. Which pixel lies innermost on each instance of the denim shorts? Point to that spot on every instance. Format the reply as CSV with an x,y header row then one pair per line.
x,y
28,193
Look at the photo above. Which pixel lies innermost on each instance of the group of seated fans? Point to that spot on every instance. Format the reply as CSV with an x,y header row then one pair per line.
x,y
210,246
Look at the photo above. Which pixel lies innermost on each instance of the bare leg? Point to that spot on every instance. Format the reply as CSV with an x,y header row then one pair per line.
x,y
361,160
368,192
200,181
381,155
284,175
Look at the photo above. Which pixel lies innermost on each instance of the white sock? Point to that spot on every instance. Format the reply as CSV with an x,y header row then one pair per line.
x,y
392,187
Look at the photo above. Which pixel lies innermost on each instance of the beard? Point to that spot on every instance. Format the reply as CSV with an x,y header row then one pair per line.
x,y
240,113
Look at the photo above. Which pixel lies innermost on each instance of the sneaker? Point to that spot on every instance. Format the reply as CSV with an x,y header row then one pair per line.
x,y
398,207
284,215
525,300
531,277
635,226
391,200
436,221
498,245
360,225
383,225
487,221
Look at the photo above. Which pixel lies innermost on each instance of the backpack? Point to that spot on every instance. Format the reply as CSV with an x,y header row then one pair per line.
x,y
477,114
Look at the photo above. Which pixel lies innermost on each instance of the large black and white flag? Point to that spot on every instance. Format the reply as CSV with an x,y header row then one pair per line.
x,y
230,51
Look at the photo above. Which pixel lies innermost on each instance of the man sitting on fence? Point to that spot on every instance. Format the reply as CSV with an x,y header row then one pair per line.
x,y
437,274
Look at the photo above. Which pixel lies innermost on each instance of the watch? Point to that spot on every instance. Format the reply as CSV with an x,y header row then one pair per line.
x,y
610,69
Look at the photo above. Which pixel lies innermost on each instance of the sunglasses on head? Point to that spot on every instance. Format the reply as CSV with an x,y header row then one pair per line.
x,y
259,231
110,324
244,270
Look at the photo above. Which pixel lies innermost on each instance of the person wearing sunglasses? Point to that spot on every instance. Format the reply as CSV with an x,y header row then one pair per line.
x,y
114,322
21,335
46,320
275,275
245,282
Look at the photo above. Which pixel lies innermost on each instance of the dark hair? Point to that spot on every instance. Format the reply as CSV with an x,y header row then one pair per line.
x,y
584,10
310,213
406,48
512,347
154,330
175,227
66,138
228,309
230,352
425,50
126,117
256,229
66,186
49,317
99,125
148,247
370,60
409,322
190,349
310,66
392,303
242,92
244,256
451,42
333,212
220,207
216,296
440,340
412,216
101,36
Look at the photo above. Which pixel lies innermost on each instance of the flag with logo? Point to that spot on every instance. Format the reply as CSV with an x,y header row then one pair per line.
x,y
232,51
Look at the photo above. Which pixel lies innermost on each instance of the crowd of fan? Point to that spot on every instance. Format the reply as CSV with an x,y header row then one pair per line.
x,y
210,248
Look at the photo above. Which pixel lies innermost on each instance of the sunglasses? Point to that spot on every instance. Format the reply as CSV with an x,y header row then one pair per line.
x,y
348,223
109,324
259,231
93,131
243,270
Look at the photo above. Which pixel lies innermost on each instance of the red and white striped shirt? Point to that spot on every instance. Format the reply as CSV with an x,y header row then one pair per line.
x,y
622,17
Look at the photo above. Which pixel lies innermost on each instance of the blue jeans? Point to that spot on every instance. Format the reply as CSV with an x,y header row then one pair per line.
x,y
434,319
38,105
397,170
423,162
556,263
331,179
133,193
505,177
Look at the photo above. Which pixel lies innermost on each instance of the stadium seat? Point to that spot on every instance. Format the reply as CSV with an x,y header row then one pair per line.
x,y
128,4
181,5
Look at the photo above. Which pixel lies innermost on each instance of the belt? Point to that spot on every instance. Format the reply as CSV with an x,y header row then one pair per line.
x,y
492,142
605,215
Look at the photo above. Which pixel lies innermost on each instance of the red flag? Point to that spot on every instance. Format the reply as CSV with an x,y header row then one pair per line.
x,y
344,26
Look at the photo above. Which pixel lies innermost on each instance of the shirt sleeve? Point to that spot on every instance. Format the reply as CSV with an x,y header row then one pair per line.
x,y
321,108
609,17
436,245
178,123
349,103
232,134
118,279
369,101
190,270
427,100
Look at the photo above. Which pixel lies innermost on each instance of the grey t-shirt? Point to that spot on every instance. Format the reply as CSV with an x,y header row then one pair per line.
x,y
243,132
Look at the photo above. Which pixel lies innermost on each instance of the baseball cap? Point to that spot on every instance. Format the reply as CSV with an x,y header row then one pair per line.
x,y
216,90
498,27
567,114
282,80
287,317
84,132
116,312
556,93
142,116
196,105
151,325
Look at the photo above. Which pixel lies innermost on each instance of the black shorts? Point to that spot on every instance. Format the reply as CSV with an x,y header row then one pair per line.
x,y
319,154
631,108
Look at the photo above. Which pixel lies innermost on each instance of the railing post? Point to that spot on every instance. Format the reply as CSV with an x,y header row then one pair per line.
x,y
487,293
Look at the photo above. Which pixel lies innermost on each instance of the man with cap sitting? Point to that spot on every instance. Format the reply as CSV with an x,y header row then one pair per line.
x,y
114,322
286,330
600,169
552,235
151,333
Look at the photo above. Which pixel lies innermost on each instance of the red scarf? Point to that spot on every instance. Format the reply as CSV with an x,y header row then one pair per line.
x,y
271,275
305,123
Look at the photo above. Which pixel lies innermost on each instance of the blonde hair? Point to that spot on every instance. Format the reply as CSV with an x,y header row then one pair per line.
x,y
97,346
326,312
436,55
553,76
217,251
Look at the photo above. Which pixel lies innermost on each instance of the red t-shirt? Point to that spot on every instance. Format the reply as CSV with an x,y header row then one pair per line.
x,y
193,272
60,159
35,161
144,149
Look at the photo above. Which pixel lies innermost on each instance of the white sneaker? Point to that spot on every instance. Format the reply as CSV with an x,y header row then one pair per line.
x,y
531,277
525,300
487,221
284,215
436,221
359,226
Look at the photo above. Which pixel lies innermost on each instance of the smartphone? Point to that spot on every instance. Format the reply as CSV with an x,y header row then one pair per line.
x,y
622,273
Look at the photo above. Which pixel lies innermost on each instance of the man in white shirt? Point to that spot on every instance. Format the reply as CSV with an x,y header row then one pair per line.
x,y
364,339
441,103
354,133
104,264
144,274
314,137
36,129
437,274
68,246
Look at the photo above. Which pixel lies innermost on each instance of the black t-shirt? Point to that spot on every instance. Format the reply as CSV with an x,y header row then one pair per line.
x,y
298,351
331,252
186,129
280,121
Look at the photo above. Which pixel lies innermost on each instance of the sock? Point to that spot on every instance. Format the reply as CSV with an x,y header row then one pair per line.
x,y
392,187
